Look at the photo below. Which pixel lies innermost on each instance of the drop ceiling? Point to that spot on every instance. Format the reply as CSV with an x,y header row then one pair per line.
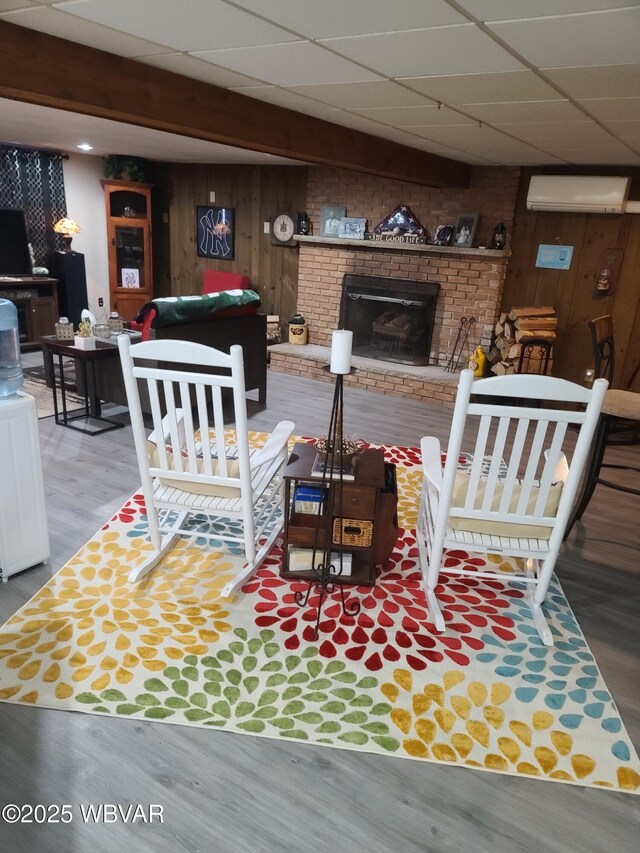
x,y
496,82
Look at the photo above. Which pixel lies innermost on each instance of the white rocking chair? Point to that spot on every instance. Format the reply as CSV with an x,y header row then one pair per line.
x,y
517,506
187,466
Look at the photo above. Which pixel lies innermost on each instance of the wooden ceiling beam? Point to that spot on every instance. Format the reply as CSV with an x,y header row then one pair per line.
x,y
41,69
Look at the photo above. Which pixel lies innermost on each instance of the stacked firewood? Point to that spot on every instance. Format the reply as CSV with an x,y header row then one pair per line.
x,y
522,340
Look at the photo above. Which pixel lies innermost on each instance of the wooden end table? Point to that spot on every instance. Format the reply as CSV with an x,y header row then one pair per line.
x,y
370,498
91,412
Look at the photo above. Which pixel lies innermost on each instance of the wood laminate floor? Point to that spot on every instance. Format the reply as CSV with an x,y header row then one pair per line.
x,y
224,792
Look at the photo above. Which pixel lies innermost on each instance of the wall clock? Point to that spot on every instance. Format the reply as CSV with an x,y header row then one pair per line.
x,y
283,227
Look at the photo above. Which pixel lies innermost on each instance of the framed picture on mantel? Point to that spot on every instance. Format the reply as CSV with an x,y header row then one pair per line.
x,y
330,216
443,235
465,230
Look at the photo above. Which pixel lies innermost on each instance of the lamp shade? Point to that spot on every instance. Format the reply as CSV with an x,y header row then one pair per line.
x,y
66,226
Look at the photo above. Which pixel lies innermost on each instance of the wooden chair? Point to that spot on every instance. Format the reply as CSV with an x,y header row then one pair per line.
x,y
187,465
619,422
515,497
604,352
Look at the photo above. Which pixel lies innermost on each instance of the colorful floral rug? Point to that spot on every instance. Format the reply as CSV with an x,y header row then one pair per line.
x,y
486,694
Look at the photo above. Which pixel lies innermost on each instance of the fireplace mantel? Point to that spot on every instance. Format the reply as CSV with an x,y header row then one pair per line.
x,y
390,245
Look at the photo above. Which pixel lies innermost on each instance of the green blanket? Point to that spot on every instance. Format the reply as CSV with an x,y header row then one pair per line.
x,y
170,310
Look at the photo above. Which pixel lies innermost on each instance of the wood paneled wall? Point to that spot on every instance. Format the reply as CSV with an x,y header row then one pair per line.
x,y
571,291
255,193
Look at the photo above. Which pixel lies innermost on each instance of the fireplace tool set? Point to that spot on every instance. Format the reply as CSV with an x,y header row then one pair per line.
x,y
460,345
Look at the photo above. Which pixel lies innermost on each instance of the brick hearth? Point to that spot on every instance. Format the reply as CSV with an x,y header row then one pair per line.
x,y
434,384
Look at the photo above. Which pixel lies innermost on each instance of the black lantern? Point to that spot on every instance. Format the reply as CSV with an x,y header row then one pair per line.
x,y
499,239
304,224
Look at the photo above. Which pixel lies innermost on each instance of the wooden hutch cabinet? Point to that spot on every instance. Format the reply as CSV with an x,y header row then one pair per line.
x,y
129,245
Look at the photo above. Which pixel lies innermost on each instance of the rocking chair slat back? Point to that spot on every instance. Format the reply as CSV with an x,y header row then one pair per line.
x,y
515,496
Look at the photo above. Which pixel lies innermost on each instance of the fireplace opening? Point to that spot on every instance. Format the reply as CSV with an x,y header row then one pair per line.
x,y
391,318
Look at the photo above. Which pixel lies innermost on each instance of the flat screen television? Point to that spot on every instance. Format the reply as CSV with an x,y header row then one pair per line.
x,y
14,244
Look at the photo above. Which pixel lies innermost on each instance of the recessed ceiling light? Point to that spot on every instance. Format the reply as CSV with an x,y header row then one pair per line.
x,y
84,146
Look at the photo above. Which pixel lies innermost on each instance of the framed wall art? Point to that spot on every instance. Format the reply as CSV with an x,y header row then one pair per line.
x,y
465,230
330,216
352,228
215,232
552,257
443,235
130,277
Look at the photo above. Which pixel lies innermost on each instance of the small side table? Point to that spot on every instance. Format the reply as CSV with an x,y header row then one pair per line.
x,y
369,499
91,413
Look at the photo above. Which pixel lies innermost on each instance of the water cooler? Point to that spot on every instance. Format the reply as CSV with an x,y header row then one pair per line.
x,y
24,533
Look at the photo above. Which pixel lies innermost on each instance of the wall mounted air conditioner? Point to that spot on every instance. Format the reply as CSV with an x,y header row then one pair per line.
x,y
580,193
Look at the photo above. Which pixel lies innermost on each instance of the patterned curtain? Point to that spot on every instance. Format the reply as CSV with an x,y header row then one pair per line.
x,y
32,181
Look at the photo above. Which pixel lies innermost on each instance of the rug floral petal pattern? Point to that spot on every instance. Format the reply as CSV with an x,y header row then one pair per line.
x,y
486,694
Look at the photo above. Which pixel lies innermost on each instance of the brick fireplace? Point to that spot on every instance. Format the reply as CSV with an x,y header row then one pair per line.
x,y
471,282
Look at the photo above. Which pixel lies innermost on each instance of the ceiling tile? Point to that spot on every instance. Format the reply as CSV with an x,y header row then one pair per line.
x,y
625,129
9,5
498,10
452,153
353,96
406,137
188,25
428,114
617,157
528,111
421,53
597,38
460,135
289,64
55,23
588,147
357,17
284,98
198,69
554,130
498,149
600,81
613,109
483,88
357,122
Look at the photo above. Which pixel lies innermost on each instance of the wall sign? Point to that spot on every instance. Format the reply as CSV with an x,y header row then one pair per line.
x,y
215,230
551,257
608,271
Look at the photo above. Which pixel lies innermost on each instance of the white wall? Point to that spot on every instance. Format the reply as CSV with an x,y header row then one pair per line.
x,y
86,206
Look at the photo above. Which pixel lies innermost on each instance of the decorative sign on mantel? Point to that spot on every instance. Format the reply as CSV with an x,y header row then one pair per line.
x,y
400,226
396,238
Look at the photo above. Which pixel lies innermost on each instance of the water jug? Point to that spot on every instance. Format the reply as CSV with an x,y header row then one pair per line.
x,y
11,376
